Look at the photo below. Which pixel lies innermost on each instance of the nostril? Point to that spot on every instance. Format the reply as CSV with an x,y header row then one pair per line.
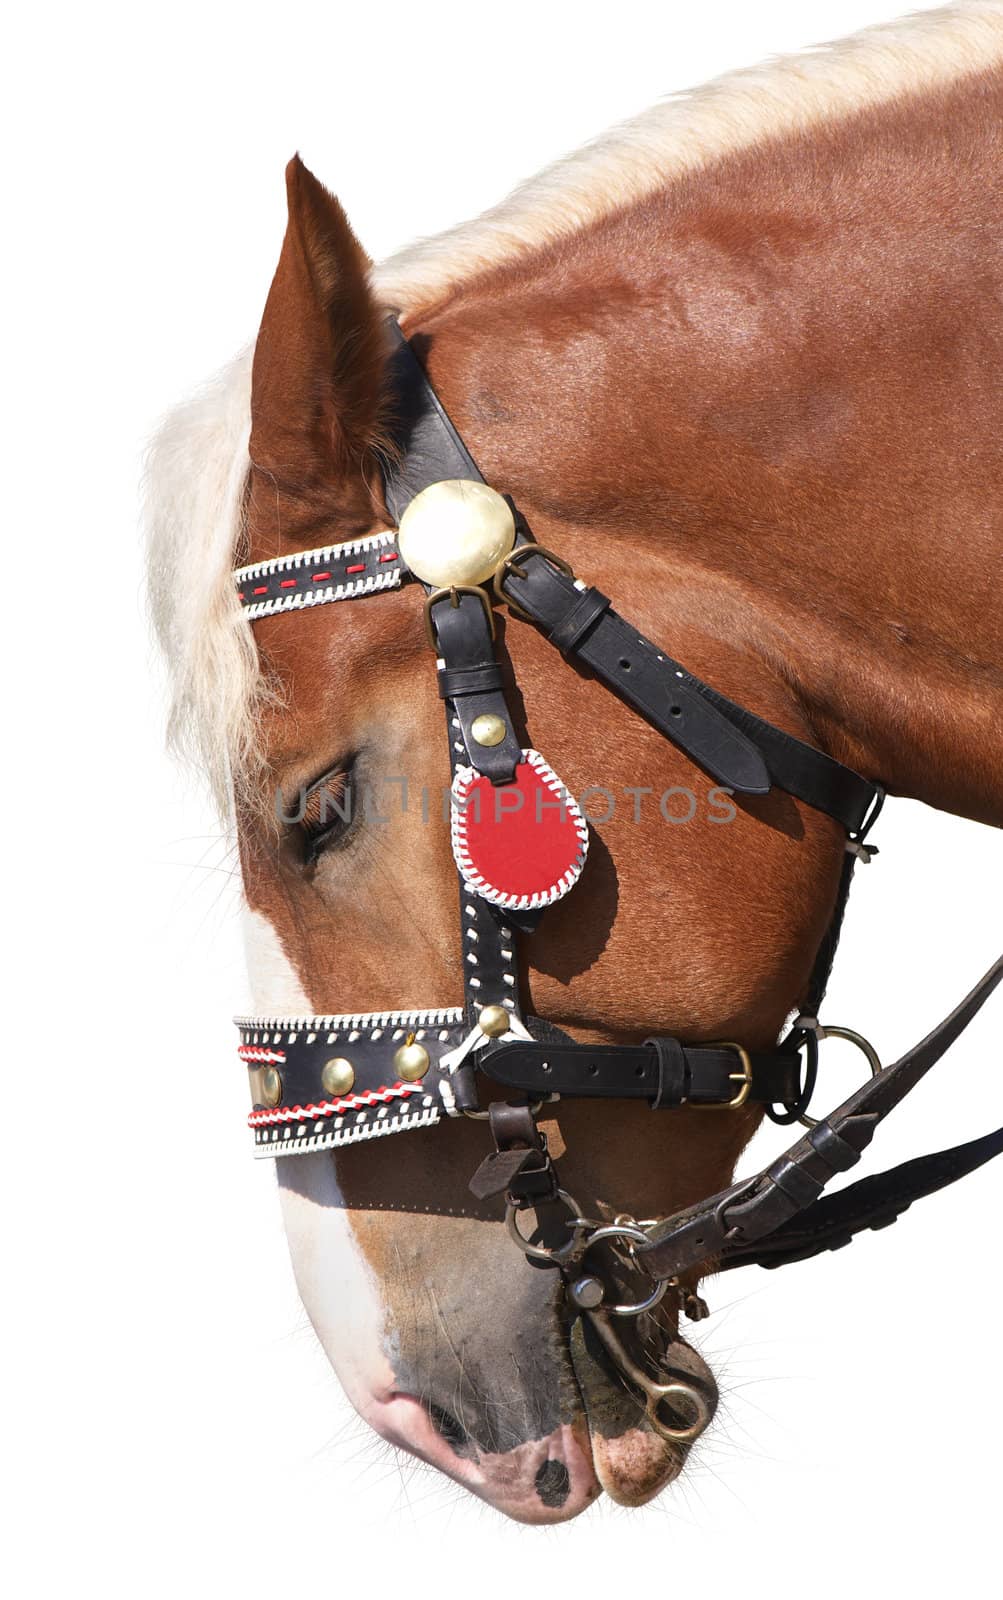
x,y
448,1428
553,1483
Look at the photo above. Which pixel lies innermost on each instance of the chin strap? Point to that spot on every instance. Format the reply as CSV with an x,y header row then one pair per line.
x,y
778,1216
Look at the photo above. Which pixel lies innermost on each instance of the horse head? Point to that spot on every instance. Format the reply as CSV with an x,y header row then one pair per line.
x,y
694,915
744,390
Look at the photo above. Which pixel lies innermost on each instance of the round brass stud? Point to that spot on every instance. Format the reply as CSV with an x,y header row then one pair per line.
x,y
494,1021
411,1062
455,532
338,1076
271,1086
488,729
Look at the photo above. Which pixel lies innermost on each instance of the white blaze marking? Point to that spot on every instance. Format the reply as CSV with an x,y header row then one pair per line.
x,y
336,1283
276,990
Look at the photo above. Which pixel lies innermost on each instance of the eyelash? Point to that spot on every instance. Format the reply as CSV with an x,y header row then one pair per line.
x,y
327,814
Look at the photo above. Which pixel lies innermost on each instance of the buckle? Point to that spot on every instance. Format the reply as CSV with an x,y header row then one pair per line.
x,y
510,564
744,1078
452,594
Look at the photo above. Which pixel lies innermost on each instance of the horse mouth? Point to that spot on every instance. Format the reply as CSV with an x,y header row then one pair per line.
x,y
634,1460
599,1438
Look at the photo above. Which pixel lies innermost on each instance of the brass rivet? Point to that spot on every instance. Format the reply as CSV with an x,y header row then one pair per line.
x,y
271,1086
411,1061
338,1075
494,1021
488,729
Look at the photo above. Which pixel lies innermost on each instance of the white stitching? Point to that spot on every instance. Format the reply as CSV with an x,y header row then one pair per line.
x,y
319,597
325,552
473,881
354,1134
442,1016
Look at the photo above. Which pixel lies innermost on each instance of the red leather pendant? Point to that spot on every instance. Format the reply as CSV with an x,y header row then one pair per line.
x,y
520,845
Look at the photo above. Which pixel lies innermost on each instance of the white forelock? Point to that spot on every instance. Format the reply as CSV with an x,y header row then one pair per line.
x,y
196,471
198,461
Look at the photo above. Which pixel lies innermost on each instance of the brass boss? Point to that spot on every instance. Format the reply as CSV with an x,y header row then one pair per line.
x,y
456,532
338,1076
411,1061
271,1086
494,1021
488,729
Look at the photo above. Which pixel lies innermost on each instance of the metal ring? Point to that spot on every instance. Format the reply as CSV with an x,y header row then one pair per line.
x,y
539,1252
510,563
628,1230
862,1044
619,1230
655,1394
658,1393
532,1106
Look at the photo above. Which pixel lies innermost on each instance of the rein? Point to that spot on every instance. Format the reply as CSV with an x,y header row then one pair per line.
x,y
325,1081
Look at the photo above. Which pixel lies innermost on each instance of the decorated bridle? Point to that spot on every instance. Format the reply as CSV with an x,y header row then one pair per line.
x,y
520,841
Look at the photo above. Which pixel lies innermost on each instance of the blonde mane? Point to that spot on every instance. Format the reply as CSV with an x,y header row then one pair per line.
x,y
198,461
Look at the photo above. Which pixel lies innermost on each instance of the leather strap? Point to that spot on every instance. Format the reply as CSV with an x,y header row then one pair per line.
x,y
662,1070
427,448
756,1208
736,747
466,647
874,1202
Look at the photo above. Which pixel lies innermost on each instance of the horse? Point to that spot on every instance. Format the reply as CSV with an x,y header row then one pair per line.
x,y
738,362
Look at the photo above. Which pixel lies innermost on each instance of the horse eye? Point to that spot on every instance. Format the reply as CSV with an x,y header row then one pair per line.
x,y
326,814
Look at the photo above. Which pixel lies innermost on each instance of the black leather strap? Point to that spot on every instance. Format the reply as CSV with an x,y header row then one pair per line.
x,y
755,1209
874,1202
466,647
738,748
673,1080
663,1071
427,448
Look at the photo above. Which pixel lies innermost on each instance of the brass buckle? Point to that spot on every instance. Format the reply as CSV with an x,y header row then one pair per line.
x,y
452,594
744,1078
510,563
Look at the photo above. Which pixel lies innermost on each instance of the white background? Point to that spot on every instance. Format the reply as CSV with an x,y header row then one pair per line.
x,y
170,1425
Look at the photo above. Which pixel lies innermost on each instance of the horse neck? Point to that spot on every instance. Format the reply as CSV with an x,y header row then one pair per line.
x,y
785,373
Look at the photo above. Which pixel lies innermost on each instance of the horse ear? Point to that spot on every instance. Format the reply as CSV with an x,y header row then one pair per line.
x,y
321,350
